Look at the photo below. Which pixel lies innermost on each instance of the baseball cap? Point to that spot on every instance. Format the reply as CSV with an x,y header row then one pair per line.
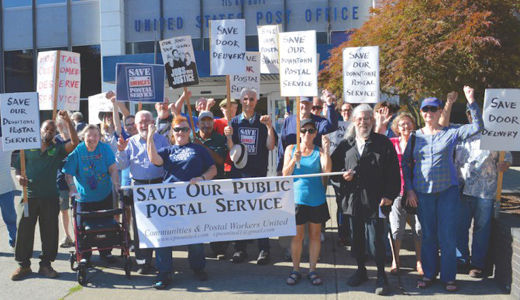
x,y
432,101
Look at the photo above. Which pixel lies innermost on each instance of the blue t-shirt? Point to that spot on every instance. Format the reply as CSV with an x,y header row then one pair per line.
x,y
90,171
182,163
309,190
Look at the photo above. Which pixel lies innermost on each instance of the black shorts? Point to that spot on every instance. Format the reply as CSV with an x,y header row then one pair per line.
x,y
312,214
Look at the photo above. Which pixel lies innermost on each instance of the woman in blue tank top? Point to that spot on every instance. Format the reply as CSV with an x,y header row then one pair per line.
x,y
309,197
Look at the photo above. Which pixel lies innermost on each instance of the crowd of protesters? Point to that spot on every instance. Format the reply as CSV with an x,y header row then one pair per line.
x,y
435,178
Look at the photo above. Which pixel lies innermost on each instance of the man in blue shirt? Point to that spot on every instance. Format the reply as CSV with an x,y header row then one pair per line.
x,y
257,134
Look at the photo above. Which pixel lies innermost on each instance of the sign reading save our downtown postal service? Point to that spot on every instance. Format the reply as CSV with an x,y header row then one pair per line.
x,y
501,120
139,82
298,64
181,213
227,47
361,74
20,121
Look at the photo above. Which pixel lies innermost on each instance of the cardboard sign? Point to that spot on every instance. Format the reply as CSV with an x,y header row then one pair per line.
x,y
298,64
251,79
20,121
68,80
179,61
96,104
501,120
268,47
140,82
181,213
227,47
361,74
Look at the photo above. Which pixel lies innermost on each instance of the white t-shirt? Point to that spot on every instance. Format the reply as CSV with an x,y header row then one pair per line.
x,y
6,179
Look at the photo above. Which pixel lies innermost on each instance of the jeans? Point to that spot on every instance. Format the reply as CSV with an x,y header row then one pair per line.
x,y
438,217
480,210
164,260
9,215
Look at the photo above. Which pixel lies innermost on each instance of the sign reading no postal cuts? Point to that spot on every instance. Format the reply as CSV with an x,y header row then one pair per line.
x,y
227,47
501,120
298,64
20,121
68,80
250,80
361,74
223,210
179,61
268,47
140,82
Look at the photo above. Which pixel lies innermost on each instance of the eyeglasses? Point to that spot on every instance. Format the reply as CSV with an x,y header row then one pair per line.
x,y
129,124
430,109
181,129
310,130
317,107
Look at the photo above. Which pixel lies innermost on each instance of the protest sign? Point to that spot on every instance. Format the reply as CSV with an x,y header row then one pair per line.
x,y
222,210
501,120
20,121
361,74
268,47
139,82
227,47
298,64
250,80
96,104
59,80
337,136
179,61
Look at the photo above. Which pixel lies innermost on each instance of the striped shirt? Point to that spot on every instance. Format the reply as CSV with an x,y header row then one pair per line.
x,y
434,170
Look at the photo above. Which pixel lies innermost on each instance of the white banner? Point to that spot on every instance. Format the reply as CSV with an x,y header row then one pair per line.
x,y
227,47
222,210
501,120
337,136
20,121
268,47
298,64
96,104
361,74
68,81
251,79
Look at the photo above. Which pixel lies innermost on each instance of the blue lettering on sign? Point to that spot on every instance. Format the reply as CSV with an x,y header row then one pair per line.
x,y
158,24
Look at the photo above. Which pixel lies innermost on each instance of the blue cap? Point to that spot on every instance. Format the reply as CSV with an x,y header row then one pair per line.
x,y
432,101
305,99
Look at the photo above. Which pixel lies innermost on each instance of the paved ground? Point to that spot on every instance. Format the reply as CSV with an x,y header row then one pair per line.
x,y
227,280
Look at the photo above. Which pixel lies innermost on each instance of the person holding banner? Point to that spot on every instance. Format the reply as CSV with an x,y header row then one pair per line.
x,y
42,193
309,196
257,134
370,183
434,187
182,161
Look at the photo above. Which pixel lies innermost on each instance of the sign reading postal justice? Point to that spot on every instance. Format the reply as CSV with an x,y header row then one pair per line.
x,y
140,82
501,120
179,61
222,210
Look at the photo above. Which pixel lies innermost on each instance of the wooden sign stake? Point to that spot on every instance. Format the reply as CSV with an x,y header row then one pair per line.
x,y
228,98
139,106
56,85
297,114
189,111
25,199
500,179
287,103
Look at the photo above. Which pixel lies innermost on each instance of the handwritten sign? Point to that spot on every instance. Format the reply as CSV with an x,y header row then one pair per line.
x,y
227,47
268,46
20,121
298,64
361,74
250,80
68,80
96,104
140,82
179,61
501,120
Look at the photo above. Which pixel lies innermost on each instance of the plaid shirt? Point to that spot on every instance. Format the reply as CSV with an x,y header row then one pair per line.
x,y
434,169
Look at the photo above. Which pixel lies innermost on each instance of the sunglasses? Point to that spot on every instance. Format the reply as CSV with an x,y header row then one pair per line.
x,y
430,108
181,129
310,130
316,107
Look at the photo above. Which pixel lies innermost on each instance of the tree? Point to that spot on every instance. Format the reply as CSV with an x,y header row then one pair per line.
x,y
428,48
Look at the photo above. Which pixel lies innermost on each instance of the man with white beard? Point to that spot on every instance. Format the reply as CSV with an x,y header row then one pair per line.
x,y
370,183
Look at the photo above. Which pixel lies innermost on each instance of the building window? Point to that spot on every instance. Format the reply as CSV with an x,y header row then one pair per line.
x,y
19,75
90,59
17,3
141,47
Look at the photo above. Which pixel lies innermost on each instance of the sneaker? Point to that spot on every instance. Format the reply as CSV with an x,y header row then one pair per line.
x,y
358,277
221,256
382,287
201,275
67,243
239,256
161,284
146,269
476,273
21,273
108,258
48,272
263,257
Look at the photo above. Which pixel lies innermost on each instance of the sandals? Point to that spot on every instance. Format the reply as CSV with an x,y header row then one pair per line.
x,y
451,286
424,283
314,278
294,278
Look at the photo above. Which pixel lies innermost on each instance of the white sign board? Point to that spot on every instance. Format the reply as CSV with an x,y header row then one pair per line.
x,y
227,47
96,104
251,79
501,120
20,121
337,136
179,61
268,47
361,74
68,81
180,213
298,64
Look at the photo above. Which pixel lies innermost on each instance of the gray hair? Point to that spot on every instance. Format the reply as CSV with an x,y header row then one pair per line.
x,y
143,113
77,116
351,130
248,91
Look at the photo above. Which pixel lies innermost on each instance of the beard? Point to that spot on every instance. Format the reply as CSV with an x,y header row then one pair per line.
x,y
363,132
47,138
